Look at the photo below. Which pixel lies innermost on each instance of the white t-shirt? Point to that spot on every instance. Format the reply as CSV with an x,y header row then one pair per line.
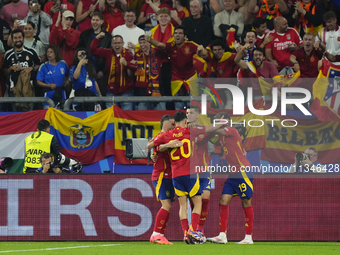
x,y
129,35
331,39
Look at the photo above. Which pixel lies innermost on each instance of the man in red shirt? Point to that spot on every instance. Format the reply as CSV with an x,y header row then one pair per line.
x,y
162,181
285,41
257,74
201,159
121,68
181,55
218,62
260,26
239,182
185,184
65,37
306,59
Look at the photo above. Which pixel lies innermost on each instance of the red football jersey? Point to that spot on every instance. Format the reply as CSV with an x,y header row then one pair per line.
x,y
179,157
279,46
181,59
201,155
233,149
162,165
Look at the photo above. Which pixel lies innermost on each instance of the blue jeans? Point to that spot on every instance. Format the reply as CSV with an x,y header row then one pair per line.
x,y
124,106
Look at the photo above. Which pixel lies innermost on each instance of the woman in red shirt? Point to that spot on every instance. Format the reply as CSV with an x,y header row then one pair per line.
x,y
113,13
85,9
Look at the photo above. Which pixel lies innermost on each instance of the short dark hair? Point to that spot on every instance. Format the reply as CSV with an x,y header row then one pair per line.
x,y
195,108
251,31
258,21
217,42
328,16
179,116
117,36
130,9
142,37
45,155
98,14
181,27
31,23
43,124
15,31
57,52
260,50
165,118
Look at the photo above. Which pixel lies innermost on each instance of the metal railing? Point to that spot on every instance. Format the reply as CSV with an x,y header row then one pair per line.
x,y
118,99
47,100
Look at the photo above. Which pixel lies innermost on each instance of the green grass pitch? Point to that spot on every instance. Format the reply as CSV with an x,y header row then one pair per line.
x,y
179,248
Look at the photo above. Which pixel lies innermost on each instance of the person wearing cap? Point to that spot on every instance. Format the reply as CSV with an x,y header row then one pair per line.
x,y
66,37
52,8
41,20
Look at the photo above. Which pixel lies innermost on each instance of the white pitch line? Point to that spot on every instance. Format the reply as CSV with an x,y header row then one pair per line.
x,y
61,248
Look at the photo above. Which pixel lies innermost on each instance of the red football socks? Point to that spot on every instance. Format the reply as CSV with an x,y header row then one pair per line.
x,y
224,215
195,218
166,222
204,214
249,214
185,226
160,220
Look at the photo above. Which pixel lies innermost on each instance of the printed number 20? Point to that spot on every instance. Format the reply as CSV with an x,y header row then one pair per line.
x,y
185,155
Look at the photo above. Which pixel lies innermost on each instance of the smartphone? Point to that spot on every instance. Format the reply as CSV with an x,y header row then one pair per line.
x,y
83,55
22,22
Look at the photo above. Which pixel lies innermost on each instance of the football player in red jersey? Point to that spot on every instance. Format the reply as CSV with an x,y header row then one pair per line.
x,y
186,183
239,182
162,181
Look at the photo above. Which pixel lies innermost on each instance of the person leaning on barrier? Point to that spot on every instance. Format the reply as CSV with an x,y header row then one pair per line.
x,y
305,162
46,167
38,143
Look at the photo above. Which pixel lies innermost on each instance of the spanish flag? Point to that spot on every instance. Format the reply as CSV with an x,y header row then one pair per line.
x,y
326,104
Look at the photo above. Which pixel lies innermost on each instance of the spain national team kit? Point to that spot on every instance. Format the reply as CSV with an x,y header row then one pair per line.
x,y
240,178
162,176
185,182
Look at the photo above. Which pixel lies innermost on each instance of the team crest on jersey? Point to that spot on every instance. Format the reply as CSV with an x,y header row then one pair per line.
x,y
62,70
312,59
288,37
27,58
220,71
187,50
81,136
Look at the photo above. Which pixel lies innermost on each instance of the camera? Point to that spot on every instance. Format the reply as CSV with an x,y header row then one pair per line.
x,y
83,54
6,163
301,156
34,2
68,165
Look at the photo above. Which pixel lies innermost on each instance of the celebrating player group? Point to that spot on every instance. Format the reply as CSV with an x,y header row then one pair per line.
x,y
179,150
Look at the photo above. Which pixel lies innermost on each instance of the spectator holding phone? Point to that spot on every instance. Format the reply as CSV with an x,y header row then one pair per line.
x,y
83,75
29,40
53,8
13,11
41,20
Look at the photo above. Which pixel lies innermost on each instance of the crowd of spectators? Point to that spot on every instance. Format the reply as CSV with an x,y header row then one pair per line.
x,y
60,49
